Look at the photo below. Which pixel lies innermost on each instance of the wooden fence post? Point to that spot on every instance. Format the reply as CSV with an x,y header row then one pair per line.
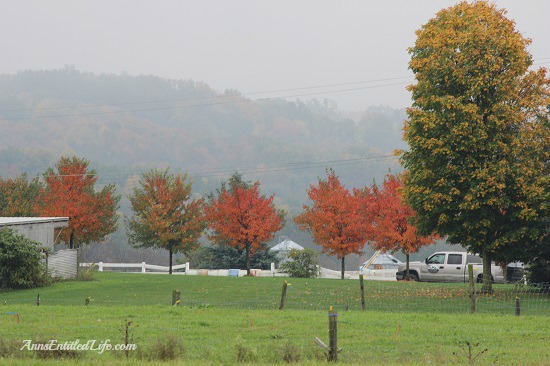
x,y
362,285
333,334
100,267
471,288
283,295
518,307
143,267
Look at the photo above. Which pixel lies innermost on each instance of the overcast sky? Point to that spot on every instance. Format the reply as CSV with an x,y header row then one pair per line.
x,y
252,46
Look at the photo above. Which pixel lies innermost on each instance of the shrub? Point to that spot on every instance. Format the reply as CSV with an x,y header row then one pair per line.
x,y
87,273
167,348
21,262
224,256
291,353
245,353
303,263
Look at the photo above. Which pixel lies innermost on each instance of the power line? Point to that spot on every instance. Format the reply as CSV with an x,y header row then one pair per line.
x,y
250,169
86,114
215,96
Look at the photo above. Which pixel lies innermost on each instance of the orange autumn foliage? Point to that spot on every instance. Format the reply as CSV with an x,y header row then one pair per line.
x,y
338,220
165,216
242,218
69,192
393,229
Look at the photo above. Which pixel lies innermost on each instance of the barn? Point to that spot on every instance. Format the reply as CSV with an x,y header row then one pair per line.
x,y
62,263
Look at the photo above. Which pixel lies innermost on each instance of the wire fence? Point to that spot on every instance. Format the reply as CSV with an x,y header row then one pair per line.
x,y
237,319
301,294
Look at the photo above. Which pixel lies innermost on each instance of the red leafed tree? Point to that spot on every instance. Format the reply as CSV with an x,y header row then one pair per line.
x,y
393,228
241,217
338,220
70,192
165,216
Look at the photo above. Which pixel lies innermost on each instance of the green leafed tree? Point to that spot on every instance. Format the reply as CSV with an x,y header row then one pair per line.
x,y
165,214
477,133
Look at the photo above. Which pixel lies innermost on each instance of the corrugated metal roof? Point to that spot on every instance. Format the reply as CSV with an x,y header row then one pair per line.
x,y
287,245
5,221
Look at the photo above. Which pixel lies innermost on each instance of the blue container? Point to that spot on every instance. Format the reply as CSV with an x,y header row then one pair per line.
x,y
234,272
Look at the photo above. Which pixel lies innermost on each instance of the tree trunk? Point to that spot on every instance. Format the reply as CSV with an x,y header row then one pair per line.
x,y
487,277
407,256
247,250
71,240
343,265
170,261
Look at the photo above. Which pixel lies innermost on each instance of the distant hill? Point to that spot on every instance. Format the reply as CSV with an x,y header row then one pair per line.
x,y
125,124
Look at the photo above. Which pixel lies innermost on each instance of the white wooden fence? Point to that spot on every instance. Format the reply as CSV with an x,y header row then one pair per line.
x,y
101,266
184,269
181,269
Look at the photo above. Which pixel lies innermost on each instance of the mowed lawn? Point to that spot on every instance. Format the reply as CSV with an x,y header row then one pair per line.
x,y
222,320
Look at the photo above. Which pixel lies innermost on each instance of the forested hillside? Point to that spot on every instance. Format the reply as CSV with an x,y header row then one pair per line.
x,y
125,124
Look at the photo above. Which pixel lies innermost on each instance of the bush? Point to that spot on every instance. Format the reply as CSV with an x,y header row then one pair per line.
x,y
223,256
539,271
21,262
167,348
303,263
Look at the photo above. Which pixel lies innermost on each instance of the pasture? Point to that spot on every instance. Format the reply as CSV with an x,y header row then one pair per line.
x,y
229,320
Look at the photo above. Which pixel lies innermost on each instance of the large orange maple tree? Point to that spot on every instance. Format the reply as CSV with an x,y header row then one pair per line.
x,y
165,215
69,191
338,219
241,217
393,228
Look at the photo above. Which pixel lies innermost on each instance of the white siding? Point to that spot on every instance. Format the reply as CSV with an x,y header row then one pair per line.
x,y
63,263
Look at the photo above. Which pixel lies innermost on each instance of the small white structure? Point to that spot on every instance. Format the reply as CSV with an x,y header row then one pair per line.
x,y
62,263
284,247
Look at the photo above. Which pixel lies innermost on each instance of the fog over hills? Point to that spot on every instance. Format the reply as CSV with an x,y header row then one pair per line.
x,y
126,124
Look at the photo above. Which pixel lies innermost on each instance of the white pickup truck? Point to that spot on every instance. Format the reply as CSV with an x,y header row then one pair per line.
x,y
448,267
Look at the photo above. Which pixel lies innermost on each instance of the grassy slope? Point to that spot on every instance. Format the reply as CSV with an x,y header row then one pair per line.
x,y
223,312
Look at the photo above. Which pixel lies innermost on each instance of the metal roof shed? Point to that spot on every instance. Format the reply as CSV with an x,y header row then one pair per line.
x,y
40,229
63,263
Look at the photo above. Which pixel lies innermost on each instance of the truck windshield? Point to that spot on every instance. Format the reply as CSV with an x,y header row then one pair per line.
x,y
437,259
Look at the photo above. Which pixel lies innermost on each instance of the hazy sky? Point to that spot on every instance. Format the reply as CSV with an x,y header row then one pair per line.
x,y
252,46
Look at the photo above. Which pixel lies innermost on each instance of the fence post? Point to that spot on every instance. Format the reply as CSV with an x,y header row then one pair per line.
x,y
142,267
518,307
100,267
333,334
362,284
186,267
176,298
38,300
283,295
471,288
273,268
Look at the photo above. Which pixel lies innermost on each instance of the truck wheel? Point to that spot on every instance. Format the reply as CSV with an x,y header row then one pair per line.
x,y
413,277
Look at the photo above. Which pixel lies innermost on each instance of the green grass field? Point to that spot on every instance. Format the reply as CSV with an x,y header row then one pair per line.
x,y
223,319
